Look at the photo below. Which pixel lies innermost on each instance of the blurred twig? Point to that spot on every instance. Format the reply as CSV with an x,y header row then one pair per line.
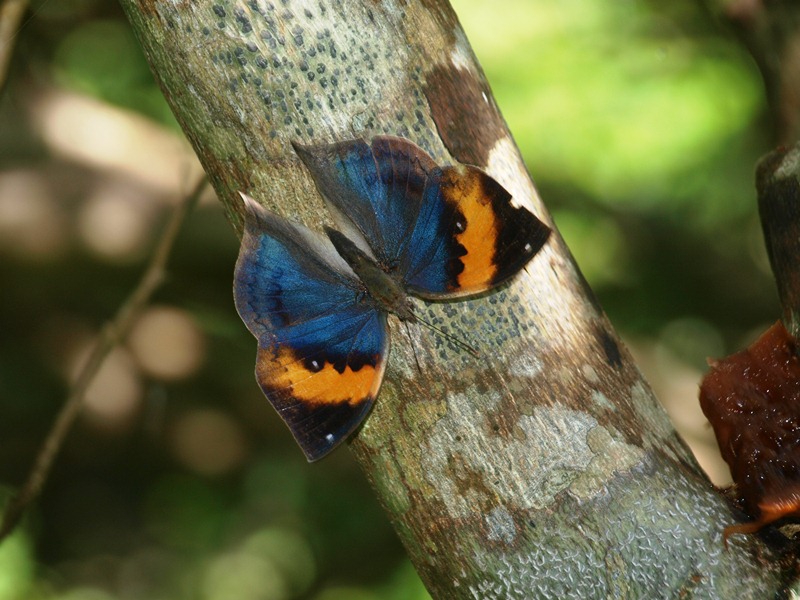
x,y
771,31
11,12
112,334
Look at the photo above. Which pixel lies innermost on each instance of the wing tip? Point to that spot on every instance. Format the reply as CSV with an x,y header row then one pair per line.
x,y
301,149
319,447
539,238
322,443
252,207
317,452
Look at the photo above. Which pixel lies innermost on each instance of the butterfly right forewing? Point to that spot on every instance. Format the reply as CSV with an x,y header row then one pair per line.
x,y
469,237
449,231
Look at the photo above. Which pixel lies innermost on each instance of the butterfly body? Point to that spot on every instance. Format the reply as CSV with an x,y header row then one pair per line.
x,y
318,306
382,284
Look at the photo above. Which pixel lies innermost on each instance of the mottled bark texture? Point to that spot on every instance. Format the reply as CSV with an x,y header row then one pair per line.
x,y
546,468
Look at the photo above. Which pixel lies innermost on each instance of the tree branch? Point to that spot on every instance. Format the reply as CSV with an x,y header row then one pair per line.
x,y
113,332
545,469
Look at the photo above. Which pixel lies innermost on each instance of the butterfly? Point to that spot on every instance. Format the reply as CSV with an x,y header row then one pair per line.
x,y
318,305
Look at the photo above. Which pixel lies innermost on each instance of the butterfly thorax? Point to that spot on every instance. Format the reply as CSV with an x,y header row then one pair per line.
x,y
382,286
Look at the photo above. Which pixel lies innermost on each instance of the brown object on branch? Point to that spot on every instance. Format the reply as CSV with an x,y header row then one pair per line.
x,y
544,469
752,399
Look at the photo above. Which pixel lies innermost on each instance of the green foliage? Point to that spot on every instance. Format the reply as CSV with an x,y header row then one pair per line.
x,y
102,58
614,98
16,567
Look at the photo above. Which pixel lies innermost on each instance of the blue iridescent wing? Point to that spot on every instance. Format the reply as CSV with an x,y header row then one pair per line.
x,y
378,188
322,345
449,231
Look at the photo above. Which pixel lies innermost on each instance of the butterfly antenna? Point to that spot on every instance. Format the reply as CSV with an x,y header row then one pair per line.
x,y
457,342
413,348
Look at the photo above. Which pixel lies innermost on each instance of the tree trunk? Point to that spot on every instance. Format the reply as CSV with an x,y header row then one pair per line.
x,y
545,468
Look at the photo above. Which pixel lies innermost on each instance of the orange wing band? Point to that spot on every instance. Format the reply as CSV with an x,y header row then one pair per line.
x,y
463,186
283,370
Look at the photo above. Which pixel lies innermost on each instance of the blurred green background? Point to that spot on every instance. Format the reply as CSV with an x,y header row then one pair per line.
x,y
640,121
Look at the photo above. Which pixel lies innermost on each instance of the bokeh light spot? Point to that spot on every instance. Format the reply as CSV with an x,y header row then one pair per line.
x,y
243,576
110,139
115,393
16,566
167,343
208,442
114,225
289,552
32,225
84,593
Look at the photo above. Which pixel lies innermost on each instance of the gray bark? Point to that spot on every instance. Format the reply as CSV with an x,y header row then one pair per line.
x,y
546,468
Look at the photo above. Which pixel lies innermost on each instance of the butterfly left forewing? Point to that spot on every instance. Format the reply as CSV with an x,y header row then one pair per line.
x,y
321,349
373,189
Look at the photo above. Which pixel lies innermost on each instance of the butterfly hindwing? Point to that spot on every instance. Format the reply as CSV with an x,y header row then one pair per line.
x,y
321,347
450,231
